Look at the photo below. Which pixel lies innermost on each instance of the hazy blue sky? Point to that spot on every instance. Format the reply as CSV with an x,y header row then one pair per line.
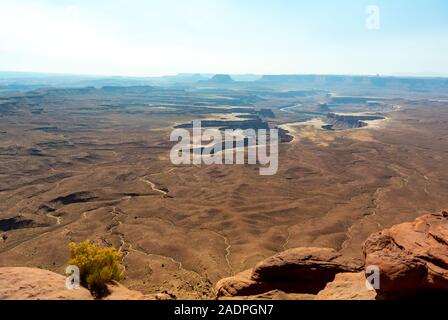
x,y
154,37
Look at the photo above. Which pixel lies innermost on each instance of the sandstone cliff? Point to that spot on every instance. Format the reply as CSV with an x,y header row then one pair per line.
x,y
412,259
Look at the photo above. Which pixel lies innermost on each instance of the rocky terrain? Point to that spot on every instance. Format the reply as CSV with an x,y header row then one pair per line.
x,y
300,270
412,259
37,284
93,163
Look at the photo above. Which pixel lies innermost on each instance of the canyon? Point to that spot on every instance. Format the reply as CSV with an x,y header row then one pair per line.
x,y
92,162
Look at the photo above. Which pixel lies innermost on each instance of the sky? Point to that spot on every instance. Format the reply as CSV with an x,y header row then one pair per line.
x,y
163,37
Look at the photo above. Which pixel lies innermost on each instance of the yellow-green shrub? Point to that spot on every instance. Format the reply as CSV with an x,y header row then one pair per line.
x,y
97,265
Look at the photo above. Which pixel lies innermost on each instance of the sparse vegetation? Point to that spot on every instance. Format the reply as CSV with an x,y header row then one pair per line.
x,y
97,265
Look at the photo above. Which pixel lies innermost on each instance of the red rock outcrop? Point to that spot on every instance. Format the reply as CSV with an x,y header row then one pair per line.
x,y
347,286
240,284
37,284
412,257
300,270
119,292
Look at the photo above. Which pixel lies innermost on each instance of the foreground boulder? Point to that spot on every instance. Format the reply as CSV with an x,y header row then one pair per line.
x,y
300,270
276,295
120,292
347,286
37,284
239,285
412,257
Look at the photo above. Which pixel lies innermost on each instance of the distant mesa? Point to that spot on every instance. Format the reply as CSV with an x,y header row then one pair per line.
x,y
221,78
187,77
345,122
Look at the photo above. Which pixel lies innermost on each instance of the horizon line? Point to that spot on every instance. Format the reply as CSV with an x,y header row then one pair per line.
x,y
422,75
